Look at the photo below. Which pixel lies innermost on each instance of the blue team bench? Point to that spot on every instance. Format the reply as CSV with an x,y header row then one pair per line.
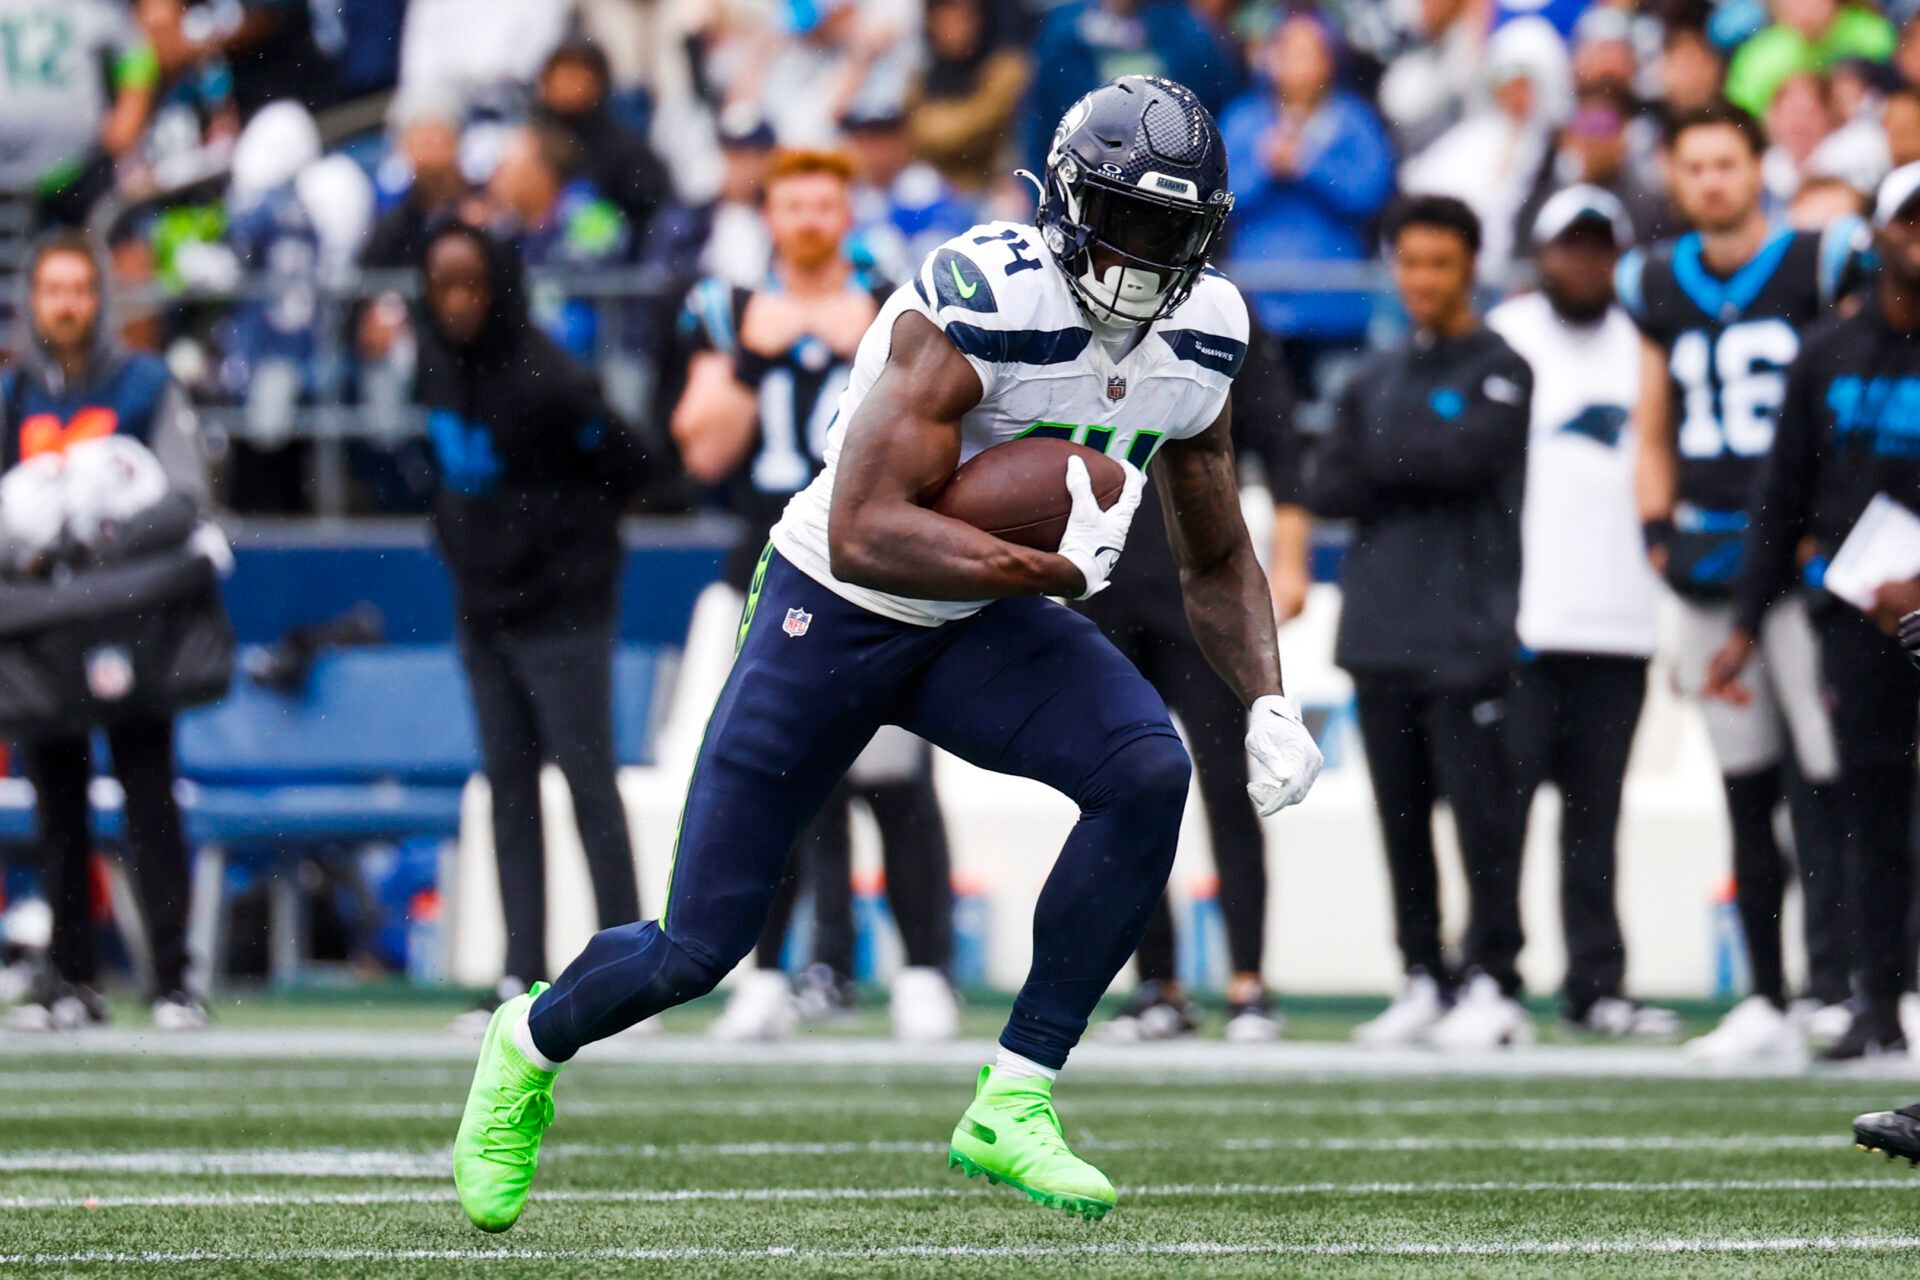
x,y
378,746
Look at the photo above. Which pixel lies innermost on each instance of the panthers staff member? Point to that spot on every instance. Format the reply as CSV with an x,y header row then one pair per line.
x,y
766,369
1588,600
1848,431
1427,457
1721,311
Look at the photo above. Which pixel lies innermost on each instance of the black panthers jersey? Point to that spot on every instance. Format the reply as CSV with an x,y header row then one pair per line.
x,y
1729,341
799,394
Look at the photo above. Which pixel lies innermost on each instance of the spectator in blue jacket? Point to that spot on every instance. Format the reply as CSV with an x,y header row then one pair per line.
x,y
1311,168
1082,44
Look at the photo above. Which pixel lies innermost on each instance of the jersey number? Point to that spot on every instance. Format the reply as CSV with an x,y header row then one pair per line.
x,y
1747,366
783,464
1098,438
1017,246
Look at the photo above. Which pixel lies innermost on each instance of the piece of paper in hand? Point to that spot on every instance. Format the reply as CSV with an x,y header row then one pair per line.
x,y
1883,547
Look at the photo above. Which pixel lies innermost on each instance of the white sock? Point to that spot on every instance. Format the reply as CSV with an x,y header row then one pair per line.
x,y
523,1041
1013,1066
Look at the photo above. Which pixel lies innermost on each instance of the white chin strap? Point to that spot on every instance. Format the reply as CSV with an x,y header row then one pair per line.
x,y
1124,295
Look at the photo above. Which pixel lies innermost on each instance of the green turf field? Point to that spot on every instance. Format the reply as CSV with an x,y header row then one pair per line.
x,y
273,1156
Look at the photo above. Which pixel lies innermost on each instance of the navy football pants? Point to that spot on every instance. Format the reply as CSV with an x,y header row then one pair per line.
x,y
1023,687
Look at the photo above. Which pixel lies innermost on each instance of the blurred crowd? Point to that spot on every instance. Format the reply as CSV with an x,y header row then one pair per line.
x,y
264,171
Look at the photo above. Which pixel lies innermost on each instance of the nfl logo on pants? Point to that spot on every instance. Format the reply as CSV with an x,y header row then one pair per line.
x,y
798,620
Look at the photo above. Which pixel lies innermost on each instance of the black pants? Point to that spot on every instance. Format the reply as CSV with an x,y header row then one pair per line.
x,y
1571,723
1875,693
1215,726
1422,744
915,857
61,769
539,698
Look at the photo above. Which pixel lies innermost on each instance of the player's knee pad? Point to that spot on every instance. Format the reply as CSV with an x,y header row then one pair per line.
x,y
1146,779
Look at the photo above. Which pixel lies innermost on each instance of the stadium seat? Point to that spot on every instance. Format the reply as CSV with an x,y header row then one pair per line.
x,y
379,746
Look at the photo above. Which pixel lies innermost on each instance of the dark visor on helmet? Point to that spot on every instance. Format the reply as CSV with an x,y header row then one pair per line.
x,y
1151,230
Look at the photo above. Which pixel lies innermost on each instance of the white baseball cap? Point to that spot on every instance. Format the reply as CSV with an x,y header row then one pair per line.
x,y
1897,190
1582,202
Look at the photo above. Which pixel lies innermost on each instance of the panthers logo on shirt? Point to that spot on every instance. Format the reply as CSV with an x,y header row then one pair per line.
x,y
1001,300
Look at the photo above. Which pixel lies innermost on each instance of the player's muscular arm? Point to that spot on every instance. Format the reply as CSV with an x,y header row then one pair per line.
x,y
713,425
1228,606
1655,469
900,449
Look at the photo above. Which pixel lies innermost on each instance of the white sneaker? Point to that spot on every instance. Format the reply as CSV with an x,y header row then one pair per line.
x,y
178,1011
1255,1022
1414,1013
1483,1017
924,1008
1824,1023
17,981
762,1007
69,1008
1623,1019
1752,1032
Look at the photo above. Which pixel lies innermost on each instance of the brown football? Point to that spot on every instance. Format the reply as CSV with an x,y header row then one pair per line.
x,y
1018,490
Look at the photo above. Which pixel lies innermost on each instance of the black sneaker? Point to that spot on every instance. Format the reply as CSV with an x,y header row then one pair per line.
x,y
1872,1033
1152,1013
1897,1133
64,1006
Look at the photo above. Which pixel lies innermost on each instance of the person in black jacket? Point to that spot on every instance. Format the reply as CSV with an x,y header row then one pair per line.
x,y
574,86
1850,429
1427,457
533,471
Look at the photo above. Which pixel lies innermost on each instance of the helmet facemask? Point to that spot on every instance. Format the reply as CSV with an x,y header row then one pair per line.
x,y
1131,254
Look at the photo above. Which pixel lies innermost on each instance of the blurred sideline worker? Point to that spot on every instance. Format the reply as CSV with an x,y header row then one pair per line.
x,y
1427,457
74,384
1588,599
1720,313
1847,432
1145,621
76,97
766,370
533,471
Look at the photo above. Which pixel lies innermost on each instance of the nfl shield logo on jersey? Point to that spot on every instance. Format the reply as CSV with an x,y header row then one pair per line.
x,y
1116,387
798,620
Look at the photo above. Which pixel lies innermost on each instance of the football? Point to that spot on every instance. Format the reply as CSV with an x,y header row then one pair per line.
x,y
1018,490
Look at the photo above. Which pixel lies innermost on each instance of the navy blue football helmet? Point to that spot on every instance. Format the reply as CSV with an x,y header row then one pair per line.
x,y
1134,197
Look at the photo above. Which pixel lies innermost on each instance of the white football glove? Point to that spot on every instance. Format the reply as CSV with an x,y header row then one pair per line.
x,y
1094,537
1285,758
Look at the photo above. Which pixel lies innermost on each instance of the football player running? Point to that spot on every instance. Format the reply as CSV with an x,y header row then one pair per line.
x,y
1102,325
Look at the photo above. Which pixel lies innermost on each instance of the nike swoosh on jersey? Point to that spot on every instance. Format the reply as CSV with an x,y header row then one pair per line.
x,y
960,282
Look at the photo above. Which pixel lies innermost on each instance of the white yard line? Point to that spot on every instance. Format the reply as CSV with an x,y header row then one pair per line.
x,y
1185,1061
809,1103
270,1200
1190,1248
334,1162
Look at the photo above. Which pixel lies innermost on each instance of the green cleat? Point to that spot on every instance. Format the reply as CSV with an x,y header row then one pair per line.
x,y
1012,1134
509,1106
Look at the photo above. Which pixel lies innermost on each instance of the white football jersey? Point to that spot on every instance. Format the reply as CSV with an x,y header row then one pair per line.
x,y
1001,299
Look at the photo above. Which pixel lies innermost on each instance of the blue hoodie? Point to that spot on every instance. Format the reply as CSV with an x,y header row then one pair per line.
x,y
1320,215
